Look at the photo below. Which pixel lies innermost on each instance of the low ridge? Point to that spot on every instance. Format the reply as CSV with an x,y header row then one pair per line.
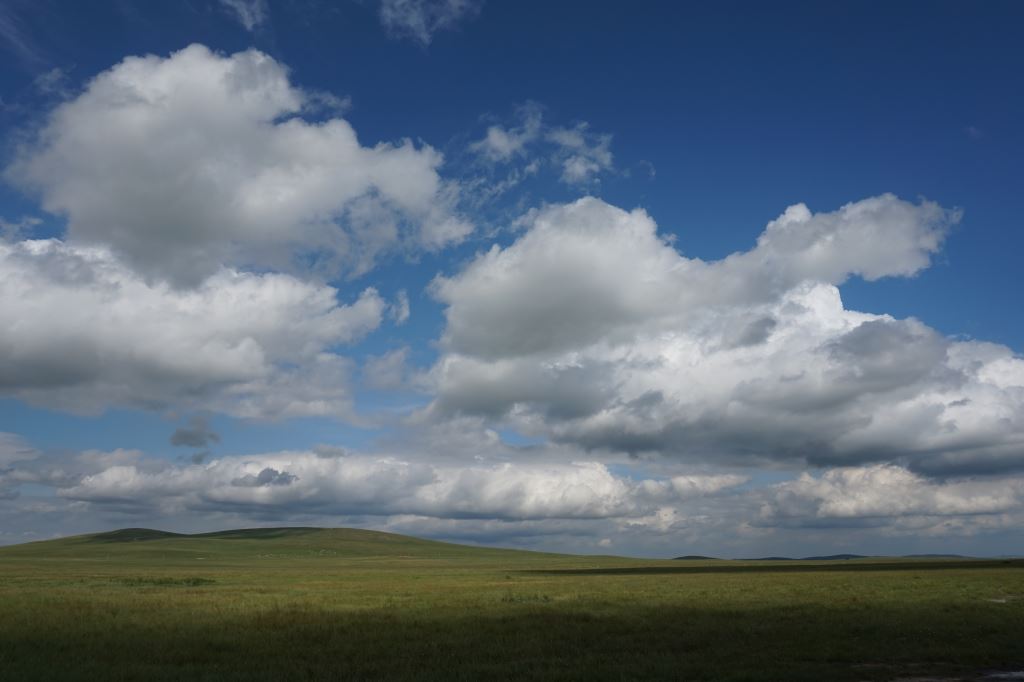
x,y
249,543
134,535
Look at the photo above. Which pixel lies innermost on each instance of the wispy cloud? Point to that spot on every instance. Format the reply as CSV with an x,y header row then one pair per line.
x,y
528,143
419,20
53,83
250,13
14,36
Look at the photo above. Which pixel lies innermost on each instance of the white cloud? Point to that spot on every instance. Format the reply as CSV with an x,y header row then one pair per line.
x,y
688,486
593,330
882,491
575,503
419,20
540,500
91,333
250,13
55,469
588,271
185,163
289,483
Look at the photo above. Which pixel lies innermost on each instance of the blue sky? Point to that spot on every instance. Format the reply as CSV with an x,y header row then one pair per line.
x,y
408,229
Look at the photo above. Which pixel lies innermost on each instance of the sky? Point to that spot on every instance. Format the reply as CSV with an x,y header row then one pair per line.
x,y
646,278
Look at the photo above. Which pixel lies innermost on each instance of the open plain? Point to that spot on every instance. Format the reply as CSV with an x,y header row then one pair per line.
x,y
340,604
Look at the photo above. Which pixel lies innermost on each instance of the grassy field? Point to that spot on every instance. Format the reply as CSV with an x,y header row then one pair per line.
x,y
316,604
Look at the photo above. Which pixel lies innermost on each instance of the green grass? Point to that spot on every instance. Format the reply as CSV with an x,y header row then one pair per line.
x,y
319,604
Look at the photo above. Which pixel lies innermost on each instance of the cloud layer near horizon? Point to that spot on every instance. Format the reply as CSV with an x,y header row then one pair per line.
x,y
353,484
580,504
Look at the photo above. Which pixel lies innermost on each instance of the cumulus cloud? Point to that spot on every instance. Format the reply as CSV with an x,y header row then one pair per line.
x,y
186,163
307,482
92,333
539,500
419,20
593,330
21,463
881,492
575,504
588,271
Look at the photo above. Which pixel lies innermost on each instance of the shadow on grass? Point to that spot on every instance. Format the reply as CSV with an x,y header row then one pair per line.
x,y
149,581
259,533
543,641
838,567
148,534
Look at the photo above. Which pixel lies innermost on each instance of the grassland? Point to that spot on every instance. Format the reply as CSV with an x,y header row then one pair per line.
x,y
315,604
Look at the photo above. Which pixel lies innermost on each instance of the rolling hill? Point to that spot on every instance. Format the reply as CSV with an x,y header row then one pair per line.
x,y
141,544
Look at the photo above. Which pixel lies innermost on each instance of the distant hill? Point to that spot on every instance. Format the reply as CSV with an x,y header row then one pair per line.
x,y
245,544
829,557
134,535
847,557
